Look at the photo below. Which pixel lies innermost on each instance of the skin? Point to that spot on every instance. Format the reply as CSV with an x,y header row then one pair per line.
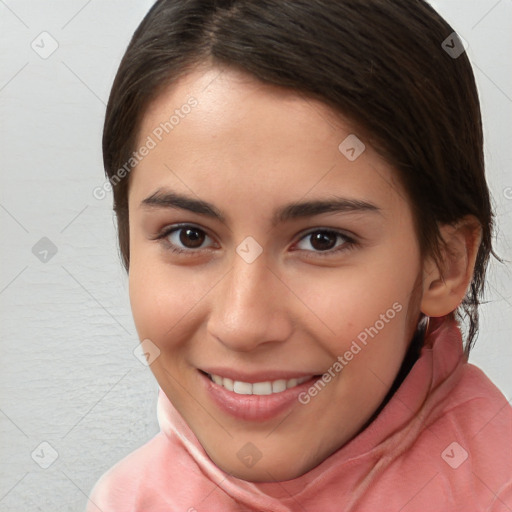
x,y
250,148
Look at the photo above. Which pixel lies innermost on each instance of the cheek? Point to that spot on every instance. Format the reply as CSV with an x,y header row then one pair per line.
x,y
350,299
153,300
363,313
164,301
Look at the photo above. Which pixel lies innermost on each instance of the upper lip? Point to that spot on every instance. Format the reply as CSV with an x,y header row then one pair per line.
x,y
261,376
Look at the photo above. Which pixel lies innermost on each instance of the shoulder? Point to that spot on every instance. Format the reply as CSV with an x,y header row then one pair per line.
x,y
472,434
118,488
478,406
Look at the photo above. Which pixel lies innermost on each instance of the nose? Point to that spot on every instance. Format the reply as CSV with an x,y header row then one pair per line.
x,y
250,307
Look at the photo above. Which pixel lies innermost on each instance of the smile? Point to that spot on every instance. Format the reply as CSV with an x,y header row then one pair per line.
x,y
257,388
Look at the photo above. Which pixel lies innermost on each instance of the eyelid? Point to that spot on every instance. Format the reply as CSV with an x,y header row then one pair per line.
x,y
343,232
169,228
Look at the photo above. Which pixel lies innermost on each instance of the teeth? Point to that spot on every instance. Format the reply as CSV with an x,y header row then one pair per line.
x,y
242,388
216,379
257,388
262,388
278,386
227,383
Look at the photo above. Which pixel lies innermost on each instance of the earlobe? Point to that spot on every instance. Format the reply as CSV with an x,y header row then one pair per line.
x,y
445,283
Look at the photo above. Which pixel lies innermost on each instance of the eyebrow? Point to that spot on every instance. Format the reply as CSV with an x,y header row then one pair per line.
x,y
168,199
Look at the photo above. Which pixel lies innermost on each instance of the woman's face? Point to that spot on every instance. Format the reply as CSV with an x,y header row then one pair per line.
x,y
299,259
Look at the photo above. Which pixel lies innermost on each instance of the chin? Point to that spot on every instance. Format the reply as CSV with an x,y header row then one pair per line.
x,y
266,474
266,470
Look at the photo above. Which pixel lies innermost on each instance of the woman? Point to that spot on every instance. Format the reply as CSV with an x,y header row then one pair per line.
x,y
303,213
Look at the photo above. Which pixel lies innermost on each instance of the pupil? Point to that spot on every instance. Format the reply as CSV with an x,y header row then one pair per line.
x,y
323,241
191,235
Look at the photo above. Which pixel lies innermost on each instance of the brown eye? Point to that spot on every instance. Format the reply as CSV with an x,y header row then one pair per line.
x,y
183,239
192,238
325,242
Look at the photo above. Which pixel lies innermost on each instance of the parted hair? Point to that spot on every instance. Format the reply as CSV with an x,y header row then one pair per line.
x,y
381,64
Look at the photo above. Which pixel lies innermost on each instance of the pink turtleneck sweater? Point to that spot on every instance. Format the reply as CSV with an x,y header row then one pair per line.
x,y
442,443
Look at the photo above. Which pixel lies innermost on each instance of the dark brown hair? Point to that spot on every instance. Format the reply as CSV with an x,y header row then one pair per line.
x,y
379,63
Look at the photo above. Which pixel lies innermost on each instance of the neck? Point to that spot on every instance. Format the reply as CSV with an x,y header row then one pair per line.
x,y
411,356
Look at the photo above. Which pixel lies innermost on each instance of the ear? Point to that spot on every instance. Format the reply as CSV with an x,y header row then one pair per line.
x,y
445,284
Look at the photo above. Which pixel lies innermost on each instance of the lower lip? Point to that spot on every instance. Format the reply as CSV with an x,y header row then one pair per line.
x,y
254,407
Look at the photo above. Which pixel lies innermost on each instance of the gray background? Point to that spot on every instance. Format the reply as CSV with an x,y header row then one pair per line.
x,y
69,378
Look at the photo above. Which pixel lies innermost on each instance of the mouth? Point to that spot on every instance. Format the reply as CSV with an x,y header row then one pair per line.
x,y
256,401
268,387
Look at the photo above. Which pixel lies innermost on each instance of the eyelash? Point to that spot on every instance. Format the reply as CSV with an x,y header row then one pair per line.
x,y
349,243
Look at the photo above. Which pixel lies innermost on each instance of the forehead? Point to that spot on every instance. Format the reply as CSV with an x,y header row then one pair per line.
x,y
219,130
234,104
